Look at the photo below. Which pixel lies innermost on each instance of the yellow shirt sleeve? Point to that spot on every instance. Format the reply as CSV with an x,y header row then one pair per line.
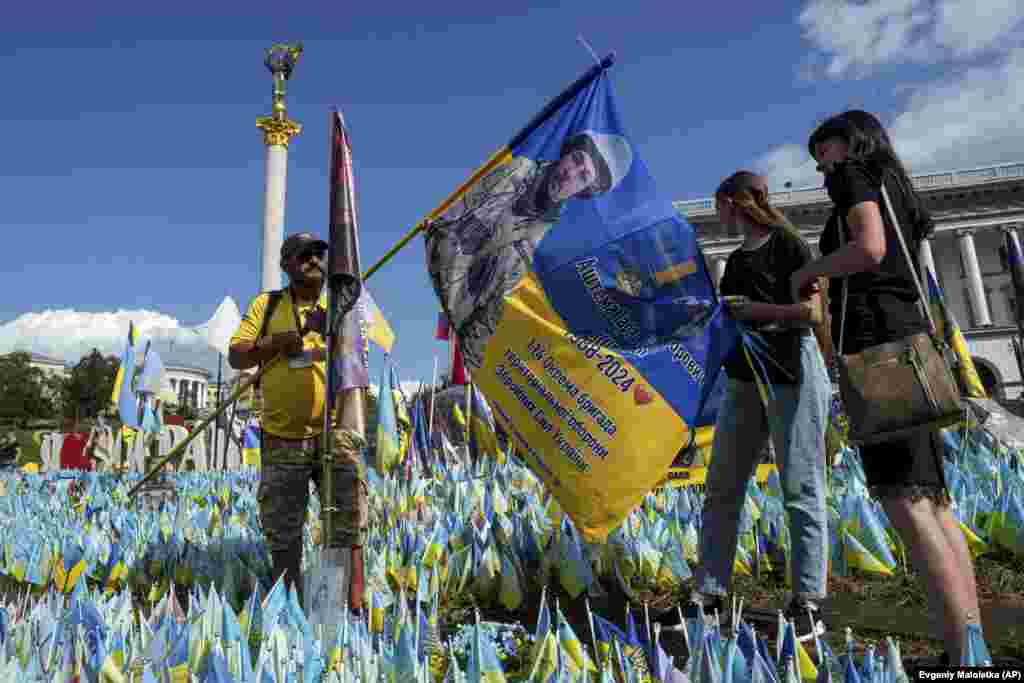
x,y
249,329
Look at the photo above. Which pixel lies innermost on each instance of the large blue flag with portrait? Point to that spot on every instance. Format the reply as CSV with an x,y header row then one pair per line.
x,y
582,305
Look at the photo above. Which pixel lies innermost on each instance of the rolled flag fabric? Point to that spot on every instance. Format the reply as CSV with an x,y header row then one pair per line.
x,y
458,370
344,275
581,305
350,365
443,328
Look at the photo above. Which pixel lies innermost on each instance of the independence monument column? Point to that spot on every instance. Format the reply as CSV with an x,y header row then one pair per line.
x,y
278,130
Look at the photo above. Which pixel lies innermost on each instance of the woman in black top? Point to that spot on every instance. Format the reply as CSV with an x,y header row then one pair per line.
x,y
795,418
855,154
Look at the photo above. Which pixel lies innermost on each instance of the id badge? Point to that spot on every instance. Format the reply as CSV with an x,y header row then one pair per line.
x,y
301,360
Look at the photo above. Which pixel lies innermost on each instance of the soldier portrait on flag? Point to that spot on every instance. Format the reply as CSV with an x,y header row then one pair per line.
x,y
479,250
582,304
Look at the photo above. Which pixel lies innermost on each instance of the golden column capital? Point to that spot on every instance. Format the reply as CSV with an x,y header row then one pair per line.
x,y
277,131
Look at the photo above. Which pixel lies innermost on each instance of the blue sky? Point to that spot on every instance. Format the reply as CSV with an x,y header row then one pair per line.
x,y
132,172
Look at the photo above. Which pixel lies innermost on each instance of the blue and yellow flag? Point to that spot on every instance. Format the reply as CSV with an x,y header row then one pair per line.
x,y
378,330
124,395
582,306
482,432
388,443
251,444
970,382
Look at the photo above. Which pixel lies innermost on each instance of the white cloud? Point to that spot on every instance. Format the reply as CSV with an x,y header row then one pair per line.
x,y
409,387
68,334
787,164
862,35
969,117
969,27
857,37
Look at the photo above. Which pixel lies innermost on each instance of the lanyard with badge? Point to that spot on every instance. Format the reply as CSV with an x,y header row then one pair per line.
x,y
303,359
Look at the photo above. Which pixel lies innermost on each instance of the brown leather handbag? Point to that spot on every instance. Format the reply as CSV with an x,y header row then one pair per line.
x,y
895,389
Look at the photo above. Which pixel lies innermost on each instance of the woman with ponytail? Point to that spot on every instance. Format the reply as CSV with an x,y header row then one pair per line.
x,y
790,368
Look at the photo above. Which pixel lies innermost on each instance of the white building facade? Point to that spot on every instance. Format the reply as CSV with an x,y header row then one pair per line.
x,y
50,366
974,211
190,384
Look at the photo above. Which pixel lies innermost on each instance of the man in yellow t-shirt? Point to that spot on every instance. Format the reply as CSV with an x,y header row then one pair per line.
x,y
294,393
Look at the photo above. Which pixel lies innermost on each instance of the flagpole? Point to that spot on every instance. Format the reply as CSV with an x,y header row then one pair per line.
x,y
469,411
216,405
228,434
344,289
433,391
496,159
1015,258
451,357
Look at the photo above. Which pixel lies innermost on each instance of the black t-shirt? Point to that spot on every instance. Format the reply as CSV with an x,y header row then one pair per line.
x,y
882,304
762,274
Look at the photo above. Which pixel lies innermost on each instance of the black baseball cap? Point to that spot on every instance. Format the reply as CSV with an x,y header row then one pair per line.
x,y
300,242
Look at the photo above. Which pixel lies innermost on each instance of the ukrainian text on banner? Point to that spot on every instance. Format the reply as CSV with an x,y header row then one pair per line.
x,y
582,307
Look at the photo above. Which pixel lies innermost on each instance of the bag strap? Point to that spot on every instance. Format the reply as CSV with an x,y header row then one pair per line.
x,y
274,297
846,289
922,302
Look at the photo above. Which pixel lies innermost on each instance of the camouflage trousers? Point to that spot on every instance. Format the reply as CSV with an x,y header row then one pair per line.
x,y
287,469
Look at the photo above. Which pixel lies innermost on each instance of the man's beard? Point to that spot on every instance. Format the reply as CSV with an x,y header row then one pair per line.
x,y
307,277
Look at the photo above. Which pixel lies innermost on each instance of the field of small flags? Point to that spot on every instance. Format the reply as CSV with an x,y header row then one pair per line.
x,y
101,588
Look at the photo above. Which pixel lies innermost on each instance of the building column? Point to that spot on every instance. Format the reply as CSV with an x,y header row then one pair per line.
x,y
926,261
273,217
1011,230
718,269
278,130
975,283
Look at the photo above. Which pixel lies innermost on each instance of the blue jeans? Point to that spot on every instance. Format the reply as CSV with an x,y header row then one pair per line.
x,y
798,433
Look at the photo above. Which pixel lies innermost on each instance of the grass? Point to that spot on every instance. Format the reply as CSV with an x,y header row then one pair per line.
x,y
1000,578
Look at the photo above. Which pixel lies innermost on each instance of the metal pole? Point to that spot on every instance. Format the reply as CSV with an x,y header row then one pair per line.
x,y
433,391
229,435
220,366
1013,250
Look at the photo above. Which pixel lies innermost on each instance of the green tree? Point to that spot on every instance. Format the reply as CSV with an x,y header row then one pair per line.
x,y
23,390
90,384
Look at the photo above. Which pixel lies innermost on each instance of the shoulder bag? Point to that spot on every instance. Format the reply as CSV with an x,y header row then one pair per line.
x,y
893,390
